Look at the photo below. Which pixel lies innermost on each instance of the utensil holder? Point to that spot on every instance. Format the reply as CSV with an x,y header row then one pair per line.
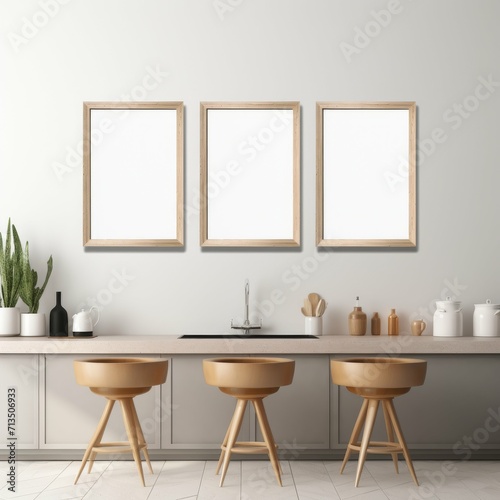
x,y
313,325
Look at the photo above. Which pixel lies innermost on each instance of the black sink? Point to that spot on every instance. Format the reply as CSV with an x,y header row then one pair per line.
x,y
250,336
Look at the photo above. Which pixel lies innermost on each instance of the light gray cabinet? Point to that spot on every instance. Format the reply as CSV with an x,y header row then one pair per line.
x,y
457,408
298,413
20,371
200,413
70,413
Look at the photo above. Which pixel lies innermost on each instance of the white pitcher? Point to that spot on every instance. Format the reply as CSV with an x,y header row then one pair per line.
x,y
448,318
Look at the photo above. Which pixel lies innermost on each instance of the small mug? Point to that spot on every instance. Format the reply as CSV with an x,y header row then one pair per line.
x,y
314,325
417,327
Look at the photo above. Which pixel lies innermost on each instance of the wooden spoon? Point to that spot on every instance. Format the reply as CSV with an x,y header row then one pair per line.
x,y
313,299
320,308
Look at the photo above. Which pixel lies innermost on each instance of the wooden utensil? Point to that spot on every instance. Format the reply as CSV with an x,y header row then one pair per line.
x,y
320,308
308,307
313,299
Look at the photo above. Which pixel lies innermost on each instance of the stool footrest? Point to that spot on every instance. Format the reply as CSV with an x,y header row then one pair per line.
x,y
115,447
248,447
378,447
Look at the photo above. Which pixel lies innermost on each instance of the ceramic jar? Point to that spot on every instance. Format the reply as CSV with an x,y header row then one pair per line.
x,y
448,318
357,322
486,320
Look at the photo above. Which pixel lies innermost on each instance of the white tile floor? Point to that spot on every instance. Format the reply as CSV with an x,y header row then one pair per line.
x,y
248,480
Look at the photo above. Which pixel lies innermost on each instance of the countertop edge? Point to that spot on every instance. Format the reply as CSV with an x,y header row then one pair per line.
x,y
327,344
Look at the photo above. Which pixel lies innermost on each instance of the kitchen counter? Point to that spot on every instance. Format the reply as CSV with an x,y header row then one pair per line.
x,y
185,417
328,344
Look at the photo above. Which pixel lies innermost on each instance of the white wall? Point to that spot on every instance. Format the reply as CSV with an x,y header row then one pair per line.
x,y
432,51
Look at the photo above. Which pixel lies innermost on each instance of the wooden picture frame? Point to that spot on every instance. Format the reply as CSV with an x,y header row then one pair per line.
x,y
133,167
366,174
250,174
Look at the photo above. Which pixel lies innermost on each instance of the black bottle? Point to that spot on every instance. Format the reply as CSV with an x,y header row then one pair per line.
x,y
58,325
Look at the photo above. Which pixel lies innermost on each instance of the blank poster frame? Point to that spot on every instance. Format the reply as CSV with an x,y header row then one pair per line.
x,y
133,169
250,174
366,174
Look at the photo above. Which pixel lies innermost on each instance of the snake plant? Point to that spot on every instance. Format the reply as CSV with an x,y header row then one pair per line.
x,y
11,272
29,292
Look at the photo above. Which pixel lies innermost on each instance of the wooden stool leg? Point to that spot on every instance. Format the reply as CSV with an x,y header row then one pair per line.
x,y
99,437
224,443
96,438
390,432
355,432
268,437
128,419
235,427
367,432
140,436
401,439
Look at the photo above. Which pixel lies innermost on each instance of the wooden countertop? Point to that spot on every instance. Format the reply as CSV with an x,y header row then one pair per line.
x,y
328,344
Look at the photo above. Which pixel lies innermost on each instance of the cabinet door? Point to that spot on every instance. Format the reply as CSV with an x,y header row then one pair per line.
x,y
21,372
200,412
70,412
459,403
299,414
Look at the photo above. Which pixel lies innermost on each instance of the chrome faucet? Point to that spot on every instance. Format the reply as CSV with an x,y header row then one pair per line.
x,y
247,326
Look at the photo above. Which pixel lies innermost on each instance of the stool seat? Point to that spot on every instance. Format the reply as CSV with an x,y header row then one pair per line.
x,y
119,379
248,373
120,373
378,380
379,373
248,379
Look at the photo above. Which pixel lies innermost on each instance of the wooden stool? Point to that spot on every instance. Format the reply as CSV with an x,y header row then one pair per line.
x,y
120,379
378,380
248,379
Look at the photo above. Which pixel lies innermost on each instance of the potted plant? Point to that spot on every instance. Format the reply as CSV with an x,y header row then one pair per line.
x,y
32,322
10,275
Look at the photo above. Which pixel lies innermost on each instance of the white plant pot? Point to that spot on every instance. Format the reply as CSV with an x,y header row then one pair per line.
x,y
33,325
10,321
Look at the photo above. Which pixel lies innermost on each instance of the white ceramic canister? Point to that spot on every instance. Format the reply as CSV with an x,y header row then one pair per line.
x,y
486,320
448,318
313,325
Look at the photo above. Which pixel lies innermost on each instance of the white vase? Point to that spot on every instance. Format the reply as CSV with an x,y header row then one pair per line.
x,y
10,321
33,325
